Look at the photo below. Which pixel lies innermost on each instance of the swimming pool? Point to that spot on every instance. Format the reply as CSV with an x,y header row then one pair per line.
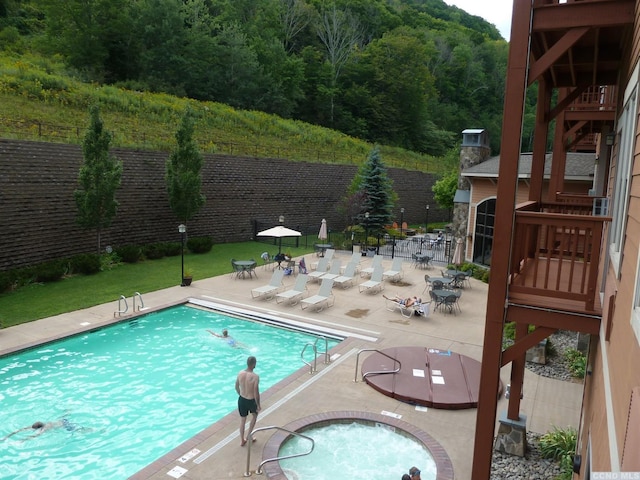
x,y
138,389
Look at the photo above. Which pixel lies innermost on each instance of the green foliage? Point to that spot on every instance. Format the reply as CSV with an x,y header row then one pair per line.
x,y
50,271
560,445
86,263
200,244
184,182
98,180
129,253
377,189
154,251
171,249
509,331
5,281
577,362
444,190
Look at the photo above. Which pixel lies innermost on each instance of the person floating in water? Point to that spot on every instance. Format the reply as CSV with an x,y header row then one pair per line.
x,y
230,340
40,427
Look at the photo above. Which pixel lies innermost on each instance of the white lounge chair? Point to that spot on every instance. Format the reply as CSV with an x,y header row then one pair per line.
x,y
348,277
321,269
393,305
334,271
324,297
376,262
296,293
356,257
274,286
395,273
374,283
328,254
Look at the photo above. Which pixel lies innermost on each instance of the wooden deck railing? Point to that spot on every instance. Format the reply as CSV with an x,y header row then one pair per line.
x,y
556,255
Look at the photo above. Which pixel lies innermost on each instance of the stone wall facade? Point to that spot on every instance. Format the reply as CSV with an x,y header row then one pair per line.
x,y
38,212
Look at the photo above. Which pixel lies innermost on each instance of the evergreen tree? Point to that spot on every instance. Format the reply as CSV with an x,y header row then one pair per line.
x,y
99,178
184,182
377,189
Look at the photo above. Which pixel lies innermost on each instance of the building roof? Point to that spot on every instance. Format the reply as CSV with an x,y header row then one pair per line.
x,y
473,130
580,166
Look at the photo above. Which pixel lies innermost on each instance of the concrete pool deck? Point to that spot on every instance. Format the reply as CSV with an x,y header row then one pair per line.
x,y
547,402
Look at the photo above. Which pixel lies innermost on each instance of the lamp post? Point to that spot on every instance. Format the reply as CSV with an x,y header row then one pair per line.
x,y
426,221
281,220
401,220
182,228
366,233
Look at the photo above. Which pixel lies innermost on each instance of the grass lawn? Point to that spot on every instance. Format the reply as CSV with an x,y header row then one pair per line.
x,y
37,301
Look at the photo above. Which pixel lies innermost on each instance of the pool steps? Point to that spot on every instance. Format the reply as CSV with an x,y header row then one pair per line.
x,y
121,311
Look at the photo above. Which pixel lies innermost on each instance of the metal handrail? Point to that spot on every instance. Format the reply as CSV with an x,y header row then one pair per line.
x,y
120,310
327,359
355,378
137,294
315,357
247,473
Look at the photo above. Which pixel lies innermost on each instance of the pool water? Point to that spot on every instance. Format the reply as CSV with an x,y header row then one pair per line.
x,y
137,390
355,450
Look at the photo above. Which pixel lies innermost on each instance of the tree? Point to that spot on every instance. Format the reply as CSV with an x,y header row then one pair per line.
x,y
444,190
377,189
184,182
99,178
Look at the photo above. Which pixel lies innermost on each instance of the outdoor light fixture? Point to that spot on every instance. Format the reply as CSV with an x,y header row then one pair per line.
x,y
366,232
182,228
426,221
281,219
401,220
610,139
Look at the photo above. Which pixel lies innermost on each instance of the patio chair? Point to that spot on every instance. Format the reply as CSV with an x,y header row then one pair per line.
x,y
376,262
328,254
296,293
334,271
374,283
324,297
450,303
266,259
395,273
321,269
348,277
356,257
274,286
435,300
437,285
393,305
427,283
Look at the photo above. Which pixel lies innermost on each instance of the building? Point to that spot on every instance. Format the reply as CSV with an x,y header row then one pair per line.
x,y
570,261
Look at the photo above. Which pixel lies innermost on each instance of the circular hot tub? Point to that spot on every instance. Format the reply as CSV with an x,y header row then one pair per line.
x,y
355,444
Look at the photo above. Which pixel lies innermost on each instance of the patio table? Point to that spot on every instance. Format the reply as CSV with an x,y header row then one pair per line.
x,y
245,266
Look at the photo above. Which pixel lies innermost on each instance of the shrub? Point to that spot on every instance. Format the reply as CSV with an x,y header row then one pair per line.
x,y
50,271
5,281
560,445
200,244
86,263
577,362
171,249
129,253
154,251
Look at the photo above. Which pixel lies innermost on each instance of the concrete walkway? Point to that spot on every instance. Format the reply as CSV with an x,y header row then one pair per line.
x,y
547,403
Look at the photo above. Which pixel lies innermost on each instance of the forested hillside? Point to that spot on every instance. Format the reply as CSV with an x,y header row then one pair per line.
x,y
406,73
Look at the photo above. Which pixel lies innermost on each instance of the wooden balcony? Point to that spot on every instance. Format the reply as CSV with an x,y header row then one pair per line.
x,y
555,257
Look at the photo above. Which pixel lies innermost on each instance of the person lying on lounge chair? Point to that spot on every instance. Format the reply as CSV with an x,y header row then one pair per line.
x,y
406,302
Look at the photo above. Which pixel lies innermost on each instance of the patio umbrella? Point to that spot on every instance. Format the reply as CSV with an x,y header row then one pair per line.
x,y
457,253
322,235
279,232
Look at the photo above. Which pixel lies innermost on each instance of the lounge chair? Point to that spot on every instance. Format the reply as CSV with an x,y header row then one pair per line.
x,y
395,273
376,262
348,277
296,293
393,305
374,283
356,257
334,271
324,297
328,254
274,286
321,269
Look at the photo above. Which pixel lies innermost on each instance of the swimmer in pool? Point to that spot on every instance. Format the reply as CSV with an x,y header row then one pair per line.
x,y
230,340
41,427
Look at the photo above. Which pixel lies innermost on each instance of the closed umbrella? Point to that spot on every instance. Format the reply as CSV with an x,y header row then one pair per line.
x,y
279,232
322,234
457,253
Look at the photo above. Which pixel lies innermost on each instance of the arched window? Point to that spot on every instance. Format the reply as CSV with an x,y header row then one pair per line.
x,y
483,242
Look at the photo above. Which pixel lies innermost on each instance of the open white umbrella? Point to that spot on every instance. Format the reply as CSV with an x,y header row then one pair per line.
x,y
279,232
457,253
322,234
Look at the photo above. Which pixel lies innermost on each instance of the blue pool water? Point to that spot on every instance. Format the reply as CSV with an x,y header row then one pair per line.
x,y
137,390
355,450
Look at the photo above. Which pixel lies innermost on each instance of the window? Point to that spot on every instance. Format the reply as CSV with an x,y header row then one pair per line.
x,y
483,242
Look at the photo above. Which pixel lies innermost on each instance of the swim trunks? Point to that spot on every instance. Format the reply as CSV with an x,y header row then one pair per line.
x,y
67,425
245,406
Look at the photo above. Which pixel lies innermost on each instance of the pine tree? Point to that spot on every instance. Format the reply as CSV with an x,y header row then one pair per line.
x,y
184,181
98,180
377,189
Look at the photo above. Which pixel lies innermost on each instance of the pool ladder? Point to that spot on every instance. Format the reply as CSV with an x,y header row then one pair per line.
x,y
247,472
123,299
314,346
380,372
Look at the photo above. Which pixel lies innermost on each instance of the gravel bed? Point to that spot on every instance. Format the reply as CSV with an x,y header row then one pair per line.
x,y
533,466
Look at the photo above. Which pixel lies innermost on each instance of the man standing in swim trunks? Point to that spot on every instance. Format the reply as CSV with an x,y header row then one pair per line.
x,y
247,386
